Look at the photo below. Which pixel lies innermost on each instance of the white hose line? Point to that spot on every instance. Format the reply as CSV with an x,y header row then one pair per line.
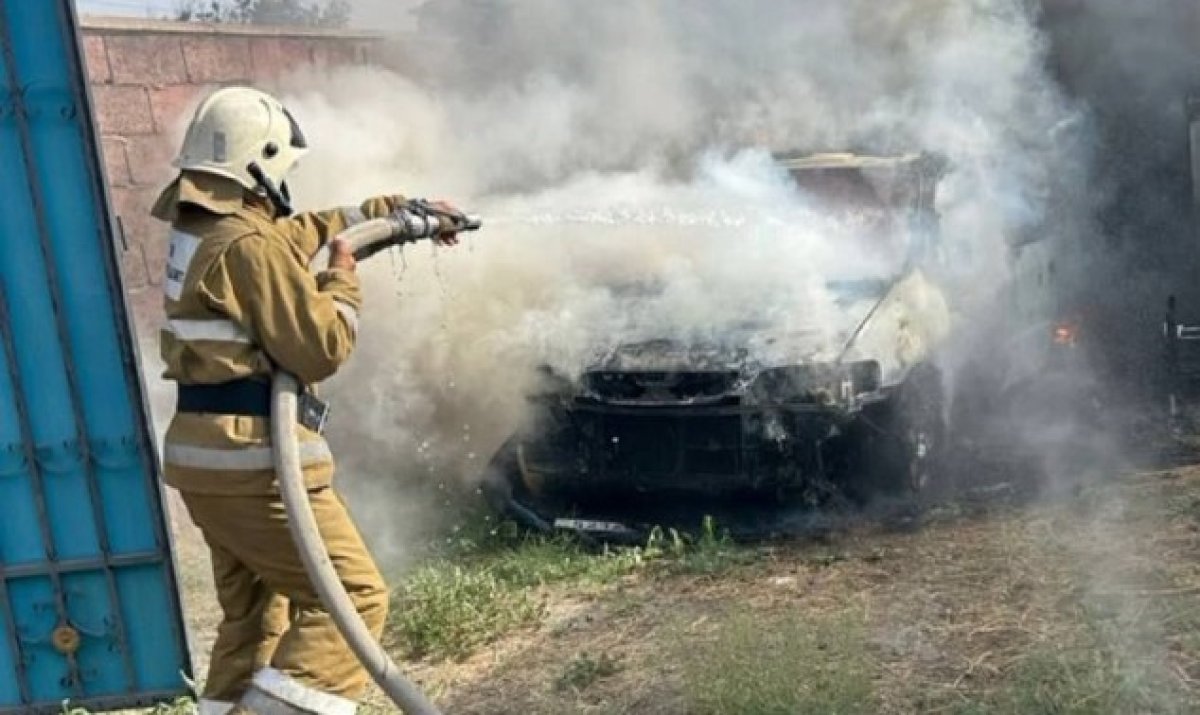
x,y
367,236
303,524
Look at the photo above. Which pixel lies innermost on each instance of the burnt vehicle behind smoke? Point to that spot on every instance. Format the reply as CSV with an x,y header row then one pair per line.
x,y
663,423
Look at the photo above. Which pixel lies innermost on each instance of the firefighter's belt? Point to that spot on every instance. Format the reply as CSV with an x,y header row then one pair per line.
x,y
248,397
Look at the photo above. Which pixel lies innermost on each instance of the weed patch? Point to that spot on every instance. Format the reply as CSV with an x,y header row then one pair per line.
x,y
539,562
445,611
780,665
583,670
481,588
708,552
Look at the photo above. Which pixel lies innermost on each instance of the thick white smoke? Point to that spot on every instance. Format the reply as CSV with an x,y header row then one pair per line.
x,y
612,145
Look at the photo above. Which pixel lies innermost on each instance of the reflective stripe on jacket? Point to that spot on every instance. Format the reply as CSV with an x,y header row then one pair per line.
x,y
240,300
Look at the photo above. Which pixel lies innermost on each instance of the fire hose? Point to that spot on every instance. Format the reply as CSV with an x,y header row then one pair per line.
x,y
411,222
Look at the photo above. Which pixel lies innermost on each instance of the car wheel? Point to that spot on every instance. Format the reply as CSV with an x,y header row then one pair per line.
x,y
505,491
919,426
899,450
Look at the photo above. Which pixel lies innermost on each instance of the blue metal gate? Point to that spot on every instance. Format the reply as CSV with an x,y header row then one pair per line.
x,y
89,610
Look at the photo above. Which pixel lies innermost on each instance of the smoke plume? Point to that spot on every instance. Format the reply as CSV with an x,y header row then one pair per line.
x,y
1134,65
620,154
622,147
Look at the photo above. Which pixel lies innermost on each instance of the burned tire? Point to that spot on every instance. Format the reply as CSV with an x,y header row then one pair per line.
x,y
505,492
900,445
921,424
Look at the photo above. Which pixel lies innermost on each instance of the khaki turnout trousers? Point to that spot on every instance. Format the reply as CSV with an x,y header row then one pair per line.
x,y
272,614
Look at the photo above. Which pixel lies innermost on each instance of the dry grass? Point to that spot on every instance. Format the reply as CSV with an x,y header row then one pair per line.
x,y
785,664
1089,603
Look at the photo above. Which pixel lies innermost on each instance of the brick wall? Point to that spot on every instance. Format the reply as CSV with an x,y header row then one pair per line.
x,y
146,78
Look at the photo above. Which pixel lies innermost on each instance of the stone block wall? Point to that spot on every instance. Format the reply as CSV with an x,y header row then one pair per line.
x,y
146,78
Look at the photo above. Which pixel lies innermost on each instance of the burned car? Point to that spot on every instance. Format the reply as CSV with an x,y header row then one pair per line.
x,y
659,422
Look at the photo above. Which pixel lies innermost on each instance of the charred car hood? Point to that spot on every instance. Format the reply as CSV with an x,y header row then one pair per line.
x,y
900,322
668,355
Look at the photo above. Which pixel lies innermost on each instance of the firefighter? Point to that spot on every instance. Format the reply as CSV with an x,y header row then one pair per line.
x,y
240,302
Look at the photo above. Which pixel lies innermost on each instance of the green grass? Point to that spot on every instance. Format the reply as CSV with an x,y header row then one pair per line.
x,y
780,666
711,551
539,562
483,586
584,670
452,605
443,610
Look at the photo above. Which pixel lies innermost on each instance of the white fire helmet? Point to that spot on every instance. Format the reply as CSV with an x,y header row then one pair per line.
x,y
238,132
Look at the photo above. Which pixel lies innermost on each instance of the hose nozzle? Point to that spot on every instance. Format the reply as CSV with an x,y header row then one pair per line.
x,y
409,223
421,219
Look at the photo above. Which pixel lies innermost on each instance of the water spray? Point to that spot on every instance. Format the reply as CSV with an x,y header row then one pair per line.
x,y
411,222
609,216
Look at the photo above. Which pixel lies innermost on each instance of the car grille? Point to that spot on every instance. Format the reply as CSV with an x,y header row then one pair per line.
x,y
646,386
665,449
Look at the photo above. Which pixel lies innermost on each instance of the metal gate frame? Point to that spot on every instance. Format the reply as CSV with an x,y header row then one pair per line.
x,y
131,652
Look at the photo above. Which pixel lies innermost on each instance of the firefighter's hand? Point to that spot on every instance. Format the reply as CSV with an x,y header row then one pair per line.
x,y
340,255
446,238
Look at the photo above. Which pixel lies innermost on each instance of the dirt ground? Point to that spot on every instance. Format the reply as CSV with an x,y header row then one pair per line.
x,y
1086,602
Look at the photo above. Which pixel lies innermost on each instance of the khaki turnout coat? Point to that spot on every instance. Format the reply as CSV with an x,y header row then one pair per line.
x,y
241,301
